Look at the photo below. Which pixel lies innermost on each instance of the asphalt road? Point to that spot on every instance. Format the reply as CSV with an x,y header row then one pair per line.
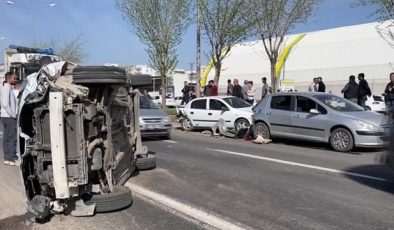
x,y
207,182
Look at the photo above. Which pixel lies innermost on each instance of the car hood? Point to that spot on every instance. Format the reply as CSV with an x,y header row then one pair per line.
x,y
152,113
369,116
247,109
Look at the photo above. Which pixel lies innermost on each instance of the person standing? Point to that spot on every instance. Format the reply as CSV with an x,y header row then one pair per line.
x,y
313,86
244,91
261,91
186,93
350,91
230,88
213,91
237,90
389,95
363,90
250,93
8,116
321,87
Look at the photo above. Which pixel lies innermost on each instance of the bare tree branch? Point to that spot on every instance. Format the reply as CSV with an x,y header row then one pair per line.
x,y
72,51
273,21
160,25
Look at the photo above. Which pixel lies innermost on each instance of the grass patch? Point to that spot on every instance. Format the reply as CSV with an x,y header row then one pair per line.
x,y
170,111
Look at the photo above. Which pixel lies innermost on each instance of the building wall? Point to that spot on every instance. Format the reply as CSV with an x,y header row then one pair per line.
x,y
333,54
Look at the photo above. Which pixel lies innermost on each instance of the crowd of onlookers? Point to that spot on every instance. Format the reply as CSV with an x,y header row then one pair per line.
x,y
356,92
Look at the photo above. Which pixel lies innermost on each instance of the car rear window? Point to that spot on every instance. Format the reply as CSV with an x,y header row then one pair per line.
x,y
281,102
199,104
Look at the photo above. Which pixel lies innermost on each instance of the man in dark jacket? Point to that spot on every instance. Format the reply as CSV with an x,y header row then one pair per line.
x,y
186,93
237,90
389,95
351,89
363,90
230,88
321,86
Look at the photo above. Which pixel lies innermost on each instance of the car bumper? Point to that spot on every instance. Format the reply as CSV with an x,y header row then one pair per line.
x,y
165,130
372,139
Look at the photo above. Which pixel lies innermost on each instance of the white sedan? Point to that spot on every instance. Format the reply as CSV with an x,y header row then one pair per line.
x,y
376,104
206,112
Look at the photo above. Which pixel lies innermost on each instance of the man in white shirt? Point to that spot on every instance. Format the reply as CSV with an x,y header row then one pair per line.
x,y
8,116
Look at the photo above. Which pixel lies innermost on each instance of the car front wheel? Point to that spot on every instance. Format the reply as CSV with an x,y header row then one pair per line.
x,y
187,124
261,129
341,140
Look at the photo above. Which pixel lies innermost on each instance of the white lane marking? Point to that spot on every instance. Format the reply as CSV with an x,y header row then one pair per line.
x,y
187,210
170,141
300,165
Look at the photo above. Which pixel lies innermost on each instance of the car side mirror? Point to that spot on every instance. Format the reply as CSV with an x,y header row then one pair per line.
x,y
224,109
314,111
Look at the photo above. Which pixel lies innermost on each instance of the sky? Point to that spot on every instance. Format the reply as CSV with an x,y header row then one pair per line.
x,y
108,38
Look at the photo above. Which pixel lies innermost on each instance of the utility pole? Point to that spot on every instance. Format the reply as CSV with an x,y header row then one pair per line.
x,y
198,53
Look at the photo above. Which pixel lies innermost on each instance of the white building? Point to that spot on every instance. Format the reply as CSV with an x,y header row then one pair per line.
x,y
333,54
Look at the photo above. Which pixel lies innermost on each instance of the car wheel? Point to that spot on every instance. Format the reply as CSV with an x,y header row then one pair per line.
x,y
341,140
118,199
187,124
146,163
241,123
261,129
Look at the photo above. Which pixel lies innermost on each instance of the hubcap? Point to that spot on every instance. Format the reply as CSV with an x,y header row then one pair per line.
x,y
341,140
261,130
187,124
242,124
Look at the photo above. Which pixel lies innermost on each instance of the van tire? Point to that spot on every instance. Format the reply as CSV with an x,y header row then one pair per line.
x,y
118,199
146,163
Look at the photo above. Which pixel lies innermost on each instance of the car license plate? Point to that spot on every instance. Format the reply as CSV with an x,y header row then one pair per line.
x,y
155,126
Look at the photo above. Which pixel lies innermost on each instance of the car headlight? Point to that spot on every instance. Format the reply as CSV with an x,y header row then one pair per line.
x,y
365,125
166,120
141,120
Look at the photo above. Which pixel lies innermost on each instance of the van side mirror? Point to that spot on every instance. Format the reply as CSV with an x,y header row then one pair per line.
x,y
314,111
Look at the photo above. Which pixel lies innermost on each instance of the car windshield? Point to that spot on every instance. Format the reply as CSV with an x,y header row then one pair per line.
x,y
147,103
236,103
338,104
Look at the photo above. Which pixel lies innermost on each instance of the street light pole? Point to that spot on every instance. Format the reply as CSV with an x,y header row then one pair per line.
x,y
32,10
198,53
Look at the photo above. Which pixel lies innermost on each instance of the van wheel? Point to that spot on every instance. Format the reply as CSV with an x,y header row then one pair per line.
x,y
261,129
341,140
146,163
118,199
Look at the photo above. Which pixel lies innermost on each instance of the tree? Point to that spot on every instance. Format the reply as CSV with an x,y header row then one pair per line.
x,y
384,11
274,19
159,24
72,51
385,8
224,24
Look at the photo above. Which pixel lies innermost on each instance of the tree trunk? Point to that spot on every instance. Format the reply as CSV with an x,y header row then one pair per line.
x,y
218,69
163,92
198,56
274,79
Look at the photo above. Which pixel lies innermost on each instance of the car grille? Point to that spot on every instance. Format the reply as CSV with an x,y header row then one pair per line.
x,y
151,120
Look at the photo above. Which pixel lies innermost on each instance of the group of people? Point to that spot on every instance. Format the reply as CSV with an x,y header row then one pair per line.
x,y
357,93
317,85
248,92
9,112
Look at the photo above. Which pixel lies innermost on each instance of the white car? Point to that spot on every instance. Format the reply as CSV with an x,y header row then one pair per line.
x,y
206,112
178,100
170,102
376,104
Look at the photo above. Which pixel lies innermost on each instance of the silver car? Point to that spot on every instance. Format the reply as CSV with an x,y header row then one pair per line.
x,y
319,117
154,122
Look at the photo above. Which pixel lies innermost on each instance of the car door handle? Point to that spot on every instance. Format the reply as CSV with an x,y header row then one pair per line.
x,y
191,112
210,114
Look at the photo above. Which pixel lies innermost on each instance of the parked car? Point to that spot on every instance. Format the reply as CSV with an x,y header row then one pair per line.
x,y
376,104
170,102
206,112
79,140
319,117
178,100
154,122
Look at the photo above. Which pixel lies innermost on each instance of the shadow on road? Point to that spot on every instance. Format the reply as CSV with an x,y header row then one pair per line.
x,y
25,221
376,170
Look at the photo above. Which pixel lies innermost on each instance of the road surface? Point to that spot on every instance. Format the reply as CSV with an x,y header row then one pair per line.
x,y
209,183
